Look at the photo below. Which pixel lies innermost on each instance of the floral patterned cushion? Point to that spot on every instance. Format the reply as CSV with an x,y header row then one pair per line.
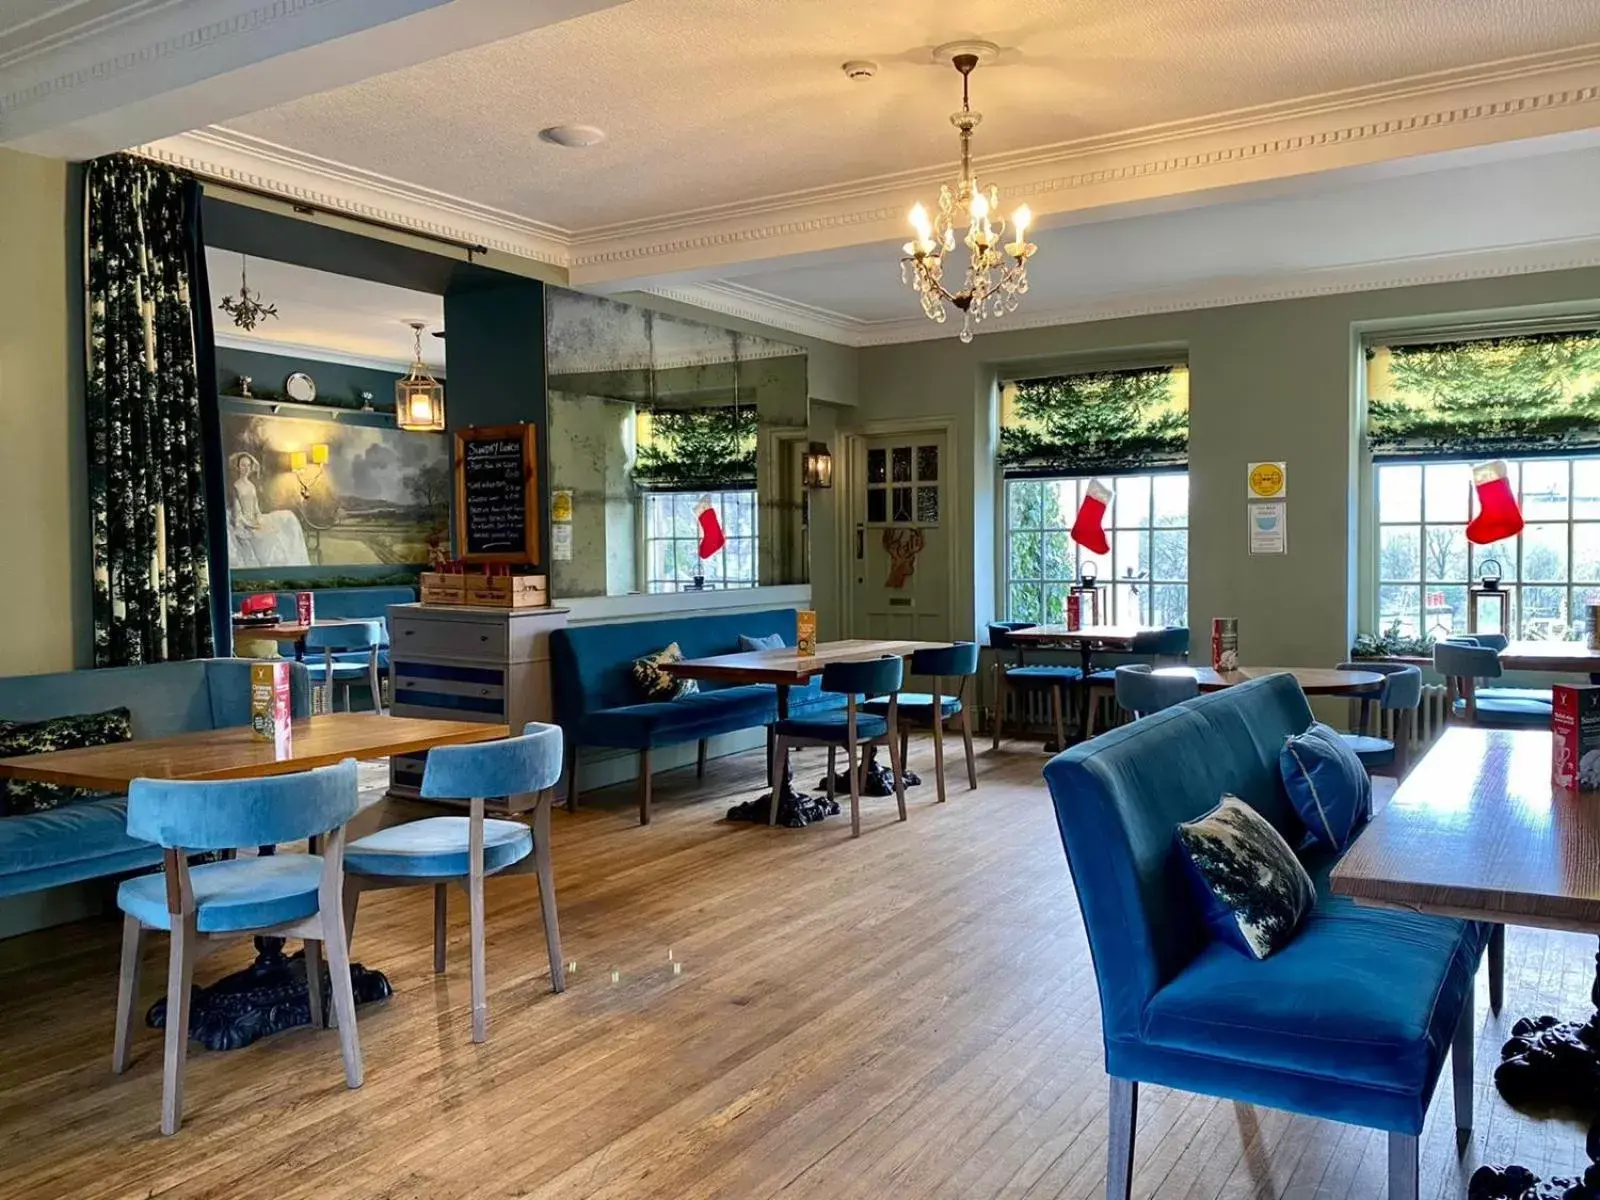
x,y
21,796
656,685
1252,888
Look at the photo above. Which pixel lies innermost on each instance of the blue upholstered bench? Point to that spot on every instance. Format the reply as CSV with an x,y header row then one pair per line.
x,y
89,839
1351,1021
597,703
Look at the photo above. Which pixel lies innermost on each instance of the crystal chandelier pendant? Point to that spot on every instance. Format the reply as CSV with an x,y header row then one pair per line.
x,y
997,270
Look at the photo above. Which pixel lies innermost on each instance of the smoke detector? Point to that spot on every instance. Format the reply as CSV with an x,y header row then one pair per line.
x,y
859,69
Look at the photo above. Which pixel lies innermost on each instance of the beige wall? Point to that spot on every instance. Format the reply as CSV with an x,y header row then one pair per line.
x,y
1267,381
43,602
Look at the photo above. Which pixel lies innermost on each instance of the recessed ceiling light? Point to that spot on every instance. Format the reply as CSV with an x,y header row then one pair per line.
x,y
573,137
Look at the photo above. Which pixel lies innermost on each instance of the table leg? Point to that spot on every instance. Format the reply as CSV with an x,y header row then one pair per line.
x,y
795,809
1549,1062
267,997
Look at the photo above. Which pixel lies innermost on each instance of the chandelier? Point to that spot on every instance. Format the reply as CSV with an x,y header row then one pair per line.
x,y
246,308
997,271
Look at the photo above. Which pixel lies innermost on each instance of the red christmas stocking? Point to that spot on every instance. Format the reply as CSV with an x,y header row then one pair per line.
x,y
1498,515
1089,529
711,535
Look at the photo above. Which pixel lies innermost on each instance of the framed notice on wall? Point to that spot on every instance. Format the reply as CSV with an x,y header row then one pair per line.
x,y
497,494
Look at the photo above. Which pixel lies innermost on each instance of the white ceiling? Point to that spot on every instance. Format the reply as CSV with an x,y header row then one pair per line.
x,y
723,102
321,315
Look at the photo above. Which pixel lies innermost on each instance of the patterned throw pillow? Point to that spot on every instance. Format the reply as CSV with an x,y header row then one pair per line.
x,y
772,641
1254,891
1330,788
21,796
656,685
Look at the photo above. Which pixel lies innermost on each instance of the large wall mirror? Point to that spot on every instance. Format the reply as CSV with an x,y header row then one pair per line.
x,y
670,435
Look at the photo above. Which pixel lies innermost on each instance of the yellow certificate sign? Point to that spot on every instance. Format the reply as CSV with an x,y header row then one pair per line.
x,y
561,505
1268,480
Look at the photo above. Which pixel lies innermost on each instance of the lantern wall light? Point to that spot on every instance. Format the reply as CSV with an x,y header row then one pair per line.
x,y
816,467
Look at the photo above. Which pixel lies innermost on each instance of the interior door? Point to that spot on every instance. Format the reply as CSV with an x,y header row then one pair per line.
x,y
901,555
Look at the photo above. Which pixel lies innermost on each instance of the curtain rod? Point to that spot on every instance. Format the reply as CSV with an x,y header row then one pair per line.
x,y
313,210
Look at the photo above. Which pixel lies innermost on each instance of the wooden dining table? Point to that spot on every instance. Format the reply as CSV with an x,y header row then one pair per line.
x,y
269,995
788,668
1476,830
1314,681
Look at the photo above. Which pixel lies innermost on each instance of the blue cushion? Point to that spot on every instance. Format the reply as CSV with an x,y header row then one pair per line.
x,y
36,879
914,706
1519,707
1045,674
437,848
666,723
1252,889
245,893
92,829
771,641
1328,784
1106,678
811,699
832,726
1372,751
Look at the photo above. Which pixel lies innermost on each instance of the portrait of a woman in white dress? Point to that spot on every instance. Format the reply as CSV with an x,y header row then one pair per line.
x,y
256,538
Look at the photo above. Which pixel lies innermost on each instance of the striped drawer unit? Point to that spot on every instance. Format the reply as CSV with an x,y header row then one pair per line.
x,y
467,664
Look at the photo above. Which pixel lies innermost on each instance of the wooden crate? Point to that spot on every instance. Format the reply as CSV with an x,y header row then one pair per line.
x,y
507,591
438,588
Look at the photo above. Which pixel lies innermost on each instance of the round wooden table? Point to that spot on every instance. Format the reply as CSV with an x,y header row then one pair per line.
x,y
1314,681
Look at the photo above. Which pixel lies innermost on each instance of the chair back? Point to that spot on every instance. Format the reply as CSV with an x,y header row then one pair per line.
x,y
226,814
1456,661
1142,692
1119,796
947,662
1000,633
873,677
1402,684
345,635
1161,644
512,766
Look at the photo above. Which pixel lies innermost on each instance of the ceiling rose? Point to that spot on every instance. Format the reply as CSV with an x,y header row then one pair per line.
x,y
997,271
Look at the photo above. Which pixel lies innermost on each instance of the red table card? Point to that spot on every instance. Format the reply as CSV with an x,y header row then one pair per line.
x,y
1575,721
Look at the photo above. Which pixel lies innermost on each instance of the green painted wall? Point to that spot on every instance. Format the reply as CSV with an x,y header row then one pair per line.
x,y
1267,381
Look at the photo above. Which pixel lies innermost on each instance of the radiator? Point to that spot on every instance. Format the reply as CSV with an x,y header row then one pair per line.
x,y
1431,716
1029,709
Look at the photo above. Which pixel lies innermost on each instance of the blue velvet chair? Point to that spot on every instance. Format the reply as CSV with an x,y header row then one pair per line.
x,y
848,728
1152,647
1401,695
337,641
932,709
1141,692
1463,665
284,895
1351,1021
464,850
1054,678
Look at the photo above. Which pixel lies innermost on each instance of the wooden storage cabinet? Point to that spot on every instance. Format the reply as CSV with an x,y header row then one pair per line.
x,y
467,664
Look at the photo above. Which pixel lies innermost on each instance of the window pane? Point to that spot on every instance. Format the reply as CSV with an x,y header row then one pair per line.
x,y
1448,489
1055,604
1544,613
1444,610
1132,548
1025,603
1504,553
1586,553
1402,604
1098,564
1444,554
1544,490
900,464
1399,493
660,509
1026,560
1060,502
1169,554
1127,606
684,522
1399,553
1025,503
1544,553
1133,500
1057,556
1171,494
1586,488
1169,604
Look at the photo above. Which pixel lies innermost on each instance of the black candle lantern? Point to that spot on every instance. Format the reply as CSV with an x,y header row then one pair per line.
x,y
1488,604
1090,596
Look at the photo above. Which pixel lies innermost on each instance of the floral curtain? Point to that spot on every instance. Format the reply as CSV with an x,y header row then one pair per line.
x,y
1097,422
147,445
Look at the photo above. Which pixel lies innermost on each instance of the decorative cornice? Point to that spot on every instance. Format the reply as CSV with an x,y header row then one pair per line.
x,y
316,354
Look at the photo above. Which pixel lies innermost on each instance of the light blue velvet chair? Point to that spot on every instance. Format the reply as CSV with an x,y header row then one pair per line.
x,y
1401,695
336,641
1055,678
848,729
930,710
1463,665
1151,648
464,850
202,907
1140,692
1351,1021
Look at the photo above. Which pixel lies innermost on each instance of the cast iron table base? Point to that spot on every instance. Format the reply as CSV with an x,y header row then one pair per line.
x,y
266,997
1557,1063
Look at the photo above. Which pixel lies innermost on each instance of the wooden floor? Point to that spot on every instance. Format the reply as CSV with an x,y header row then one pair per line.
x,y
750,1013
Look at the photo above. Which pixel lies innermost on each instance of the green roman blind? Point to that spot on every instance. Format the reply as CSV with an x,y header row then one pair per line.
x,y
1521,395
1097,422
682,449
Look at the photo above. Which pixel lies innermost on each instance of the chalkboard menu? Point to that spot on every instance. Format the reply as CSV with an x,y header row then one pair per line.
x,y
497,494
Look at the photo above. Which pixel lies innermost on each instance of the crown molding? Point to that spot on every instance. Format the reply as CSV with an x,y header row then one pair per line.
x,y
731,299
319,354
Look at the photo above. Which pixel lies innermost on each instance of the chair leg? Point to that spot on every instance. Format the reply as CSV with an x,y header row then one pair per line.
x,y
780,772
700,760
547,897
1461,1055
897,764
1497,968
479,990
1404,1183
938,744
833,767
335,943
180,981
351,901
999,704
855,788
314,982
127,992
1124,1113
1055,715
644,787
441,925
572,777
966,739
1091,709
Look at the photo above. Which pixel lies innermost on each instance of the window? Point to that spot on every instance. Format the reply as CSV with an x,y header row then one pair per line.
x,y
1425,563
672,540
1147,524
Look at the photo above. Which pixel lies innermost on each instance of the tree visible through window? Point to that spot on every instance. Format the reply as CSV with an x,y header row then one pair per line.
x,y
672,540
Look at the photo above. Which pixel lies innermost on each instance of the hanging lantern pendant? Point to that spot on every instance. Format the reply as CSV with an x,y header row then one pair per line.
x,y
419,397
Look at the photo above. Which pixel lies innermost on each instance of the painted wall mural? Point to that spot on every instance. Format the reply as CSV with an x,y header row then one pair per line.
x,y
309,492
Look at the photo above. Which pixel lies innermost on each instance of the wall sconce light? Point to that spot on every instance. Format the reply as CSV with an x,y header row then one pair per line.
x,y
816,467
419,397
300,460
